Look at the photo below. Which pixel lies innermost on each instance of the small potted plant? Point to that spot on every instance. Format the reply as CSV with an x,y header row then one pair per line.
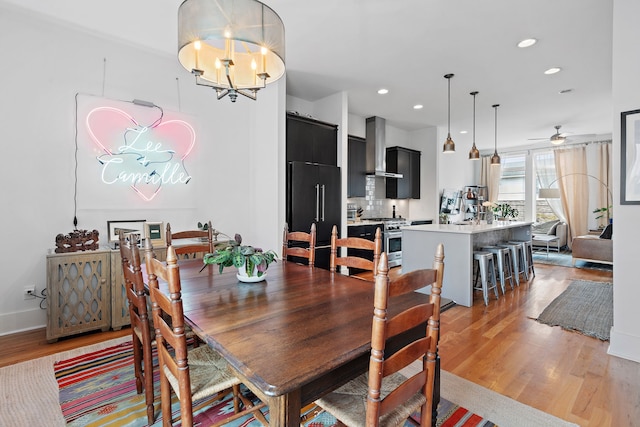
x,y
252,263
504,211
605,212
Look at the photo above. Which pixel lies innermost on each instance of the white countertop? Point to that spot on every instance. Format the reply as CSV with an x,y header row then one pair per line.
x,y
468,228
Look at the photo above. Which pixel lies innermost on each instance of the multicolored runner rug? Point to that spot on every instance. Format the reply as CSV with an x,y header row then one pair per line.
x,y
98,389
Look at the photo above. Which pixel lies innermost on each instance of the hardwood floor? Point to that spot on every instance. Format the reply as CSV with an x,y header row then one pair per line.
x,y
499,347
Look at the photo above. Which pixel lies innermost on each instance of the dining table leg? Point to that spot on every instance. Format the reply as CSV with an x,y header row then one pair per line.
x,y
284,410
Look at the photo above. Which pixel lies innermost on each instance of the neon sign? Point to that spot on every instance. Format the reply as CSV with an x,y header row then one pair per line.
x,y
146,158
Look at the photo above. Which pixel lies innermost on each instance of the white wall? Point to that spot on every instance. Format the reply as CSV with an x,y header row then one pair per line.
x,y
237,166
625,336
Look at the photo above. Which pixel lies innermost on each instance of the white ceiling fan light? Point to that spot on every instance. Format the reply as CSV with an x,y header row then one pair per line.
x,y
558,138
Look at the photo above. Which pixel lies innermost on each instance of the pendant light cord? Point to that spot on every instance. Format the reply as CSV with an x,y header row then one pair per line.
x,y
449,105
495,140
474,117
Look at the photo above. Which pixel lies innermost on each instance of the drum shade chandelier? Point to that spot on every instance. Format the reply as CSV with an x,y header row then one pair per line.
x,y
495,159
233,46
474,154
449,146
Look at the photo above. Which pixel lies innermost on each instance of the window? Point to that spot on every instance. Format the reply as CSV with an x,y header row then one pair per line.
x,y
545,173
512,182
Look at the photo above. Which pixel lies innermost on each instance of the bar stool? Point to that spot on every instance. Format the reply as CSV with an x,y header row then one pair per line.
x,y
486,267
513,248
503,257
528,256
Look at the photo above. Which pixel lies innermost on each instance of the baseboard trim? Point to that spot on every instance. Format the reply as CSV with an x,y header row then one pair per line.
x,y
624,345
20,321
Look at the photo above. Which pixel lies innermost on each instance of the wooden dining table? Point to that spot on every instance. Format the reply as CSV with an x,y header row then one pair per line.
x,y
291,338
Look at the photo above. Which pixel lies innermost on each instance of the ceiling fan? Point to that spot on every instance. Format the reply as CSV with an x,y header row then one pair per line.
x,y
556,139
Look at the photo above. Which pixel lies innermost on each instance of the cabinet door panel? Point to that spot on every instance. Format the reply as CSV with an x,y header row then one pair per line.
x,y
407,162
303,205
330,203
357,184
299,142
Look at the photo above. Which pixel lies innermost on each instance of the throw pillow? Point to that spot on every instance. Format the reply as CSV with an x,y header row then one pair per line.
x,y
607,232
543,227
552,230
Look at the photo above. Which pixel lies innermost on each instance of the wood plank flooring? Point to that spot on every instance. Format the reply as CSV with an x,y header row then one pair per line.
x,y
499,347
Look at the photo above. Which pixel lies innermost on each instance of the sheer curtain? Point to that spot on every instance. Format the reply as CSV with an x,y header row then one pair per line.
x,y
490,176
546,175
605,197
571,168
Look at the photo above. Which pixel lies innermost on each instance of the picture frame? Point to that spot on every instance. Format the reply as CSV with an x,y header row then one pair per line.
x,y
630,157
135,226
154,231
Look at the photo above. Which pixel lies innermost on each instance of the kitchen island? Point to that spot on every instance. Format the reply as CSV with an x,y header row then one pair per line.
x,y
419,243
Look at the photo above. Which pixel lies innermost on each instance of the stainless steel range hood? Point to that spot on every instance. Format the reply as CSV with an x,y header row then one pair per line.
x,y
376,148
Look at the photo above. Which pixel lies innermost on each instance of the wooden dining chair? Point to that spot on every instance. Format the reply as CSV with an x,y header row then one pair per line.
x,y
196,242
383,396
356,243
191,374
291,239
141,329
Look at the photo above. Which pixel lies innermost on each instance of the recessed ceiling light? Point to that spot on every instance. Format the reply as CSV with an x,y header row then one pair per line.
x,y
383,91
463,131
527,43
563,91
553,70
418,107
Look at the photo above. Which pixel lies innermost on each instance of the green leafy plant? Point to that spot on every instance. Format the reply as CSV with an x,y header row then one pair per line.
x,y
606,212
234,253
504,210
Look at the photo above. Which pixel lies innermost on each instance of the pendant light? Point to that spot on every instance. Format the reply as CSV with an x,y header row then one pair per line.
x,y
495,159
449,145
474,154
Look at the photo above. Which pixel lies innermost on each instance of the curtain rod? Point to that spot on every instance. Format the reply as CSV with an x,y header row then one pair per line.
x,y
530,150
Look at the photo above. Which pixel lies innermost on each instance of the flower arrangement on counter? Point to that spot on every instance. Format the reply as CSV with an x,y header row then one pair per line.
x,y
504,210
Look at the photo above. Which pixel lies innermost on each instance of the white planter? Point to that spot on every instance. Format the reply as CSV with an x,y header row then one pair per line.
x,y
243,277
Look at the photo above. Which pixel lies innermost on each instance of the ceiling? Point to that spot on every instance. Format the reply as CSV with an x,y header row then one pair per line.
x,y
359,46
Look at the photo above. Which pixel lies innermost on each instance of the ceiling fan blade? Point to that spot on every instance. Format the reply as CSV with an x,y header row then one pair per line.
x,y
537,139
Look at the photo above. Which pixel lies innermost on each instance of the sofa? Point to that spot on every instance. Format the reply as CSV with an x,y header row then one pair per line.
x,y
555,228
594,248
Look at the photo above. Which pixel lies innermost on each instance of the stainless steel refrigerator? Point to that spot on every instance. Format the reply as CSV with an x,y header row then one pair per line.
x,y
313,196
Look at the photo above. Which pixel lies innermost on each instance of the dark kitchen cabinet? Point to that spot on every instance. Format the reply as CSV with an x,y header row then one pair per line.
x,y
313,196
357,163
312,141
313,180
407,162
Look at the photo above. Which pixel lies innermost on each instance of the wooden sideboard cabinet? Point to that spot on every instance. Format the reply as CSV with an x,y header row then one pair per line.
x,y
85,292
78,293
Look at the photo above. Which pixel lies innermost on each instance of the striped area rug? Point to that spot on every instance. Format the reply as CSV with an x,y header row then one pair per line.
x,y
98,389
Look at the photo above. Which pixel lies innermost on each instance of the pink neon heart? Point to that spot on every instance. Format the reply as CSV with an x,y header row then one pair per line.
x,y
107,127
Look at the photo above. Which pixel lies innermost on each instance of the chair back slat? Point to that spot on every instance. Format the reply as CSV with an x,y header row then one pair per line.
x,y
168,317
384,328
140,318
296,238
198,242
352,261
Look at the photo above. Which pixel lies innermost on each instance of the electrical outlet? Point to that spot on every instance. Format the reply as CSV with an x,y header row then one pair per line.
x,y
30,292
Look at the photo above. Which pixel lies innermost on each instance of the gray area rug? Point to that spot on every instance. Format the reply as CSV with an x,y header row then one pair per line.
x,y
564,259
585,306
